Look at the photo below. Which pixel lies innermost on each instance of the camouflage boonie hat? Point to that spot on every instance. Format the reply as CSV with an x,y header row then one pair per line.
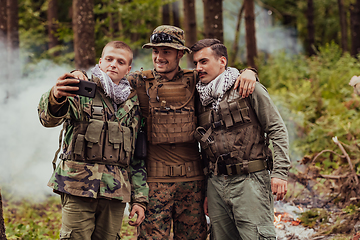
x,y
167,36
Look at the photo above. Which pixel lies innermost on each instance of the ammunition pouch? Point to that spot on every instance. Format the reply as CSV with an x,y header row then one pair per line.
x,y
101,142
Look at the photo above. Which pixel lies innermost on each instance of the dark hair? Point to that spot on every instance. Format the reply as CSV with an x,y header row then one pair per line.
x,y
218,48
121,45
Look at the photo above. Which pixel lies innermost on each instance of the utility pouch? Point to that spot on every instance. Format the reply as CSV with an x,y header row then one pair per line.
x,y
94,136
114,138
125,152
141,144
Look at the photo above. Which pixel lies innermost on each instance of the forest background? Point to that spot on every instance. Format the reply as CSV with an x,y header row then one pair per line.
x,y
305,51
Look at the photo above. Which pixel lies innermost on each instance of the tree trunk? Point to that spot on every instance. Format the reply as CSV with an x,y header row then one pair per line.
x,y
12,25
190,28
84,33
166,14
235,47
175,13
213,19
52,18
2,224
3,39
13,56
311,28
343,26
355,27
250,32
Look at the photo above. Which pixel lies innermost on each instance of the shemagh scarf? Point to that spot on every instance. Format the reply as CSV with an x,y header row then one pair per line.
x,y
118,93
214,91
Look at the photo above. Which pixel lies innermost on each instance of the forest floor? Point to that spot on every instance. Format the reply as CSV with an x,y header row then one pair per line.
x,y
29,221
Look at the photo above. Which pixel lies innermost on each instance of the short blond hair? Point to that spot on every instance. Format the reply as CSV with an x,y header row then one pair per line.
x,y
121,45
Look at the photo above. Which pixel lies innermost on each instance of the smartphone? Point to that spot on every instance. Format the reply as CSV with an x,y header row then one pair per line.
x,y
86,88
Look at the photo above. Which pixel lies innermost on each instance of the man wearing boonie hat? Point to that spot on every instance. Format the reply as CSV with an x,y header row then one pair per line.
x,y
168,100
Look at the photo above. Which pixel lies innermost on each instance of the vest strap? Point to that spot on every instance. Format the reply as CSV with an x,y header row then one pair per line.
x,y
161,169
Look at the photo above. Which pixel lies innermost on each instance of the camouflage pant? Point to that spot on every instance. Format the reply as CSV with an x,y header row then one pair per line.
x,y
181,203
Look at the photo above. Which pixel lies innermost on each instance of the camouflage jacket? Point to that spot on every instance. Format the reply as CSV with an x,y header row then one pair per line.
x,y
91,179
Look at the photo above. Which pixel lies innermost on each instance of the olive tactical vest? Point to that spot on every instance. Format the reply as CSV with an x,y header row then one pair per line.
x,y
172,108
233,135
101,140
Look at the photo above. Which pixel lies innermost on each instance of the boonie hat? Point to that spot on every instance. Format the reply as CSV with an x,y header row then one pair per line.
x,y
167,36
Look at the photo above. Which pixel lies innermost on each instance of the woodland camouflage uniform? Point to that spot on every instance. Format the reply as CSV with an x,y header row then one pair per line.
x,y
93,180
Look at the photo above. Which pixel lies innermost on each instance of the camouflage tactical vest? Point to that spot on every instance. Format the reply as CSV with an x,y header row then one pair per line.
x,y
172,108
232,136
102,140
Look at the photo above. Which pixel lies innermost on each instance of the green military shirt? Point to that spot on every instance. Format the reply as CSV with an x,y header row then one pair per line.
x,y
91,179
273,125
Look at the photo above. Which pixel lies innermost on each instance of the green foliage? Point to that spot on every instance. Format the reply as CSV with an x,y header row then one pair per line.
x,y
31,221
315,99
351,209
27,220
129,21
313,216
326,18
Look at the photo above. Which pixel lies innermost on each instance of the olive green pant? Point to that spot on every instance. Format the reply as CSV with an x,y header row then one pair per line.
x,y
241,206
90,219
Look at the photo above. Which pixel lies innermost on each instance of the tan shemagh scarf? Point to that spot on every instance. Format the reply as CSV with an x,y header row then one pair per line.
x,y
214,91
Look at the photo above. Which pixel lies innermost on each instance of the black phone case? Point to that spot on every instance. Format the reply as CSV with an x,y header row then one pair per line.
x,y
86,88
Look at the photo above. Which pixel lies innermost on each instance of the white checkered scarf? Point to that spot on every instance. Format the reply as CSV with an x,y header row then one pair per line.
x,y
214,91
118,93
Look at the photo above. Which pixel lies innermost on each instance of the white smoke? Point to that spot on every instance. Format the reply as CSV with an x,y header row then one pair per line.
x,y
27,148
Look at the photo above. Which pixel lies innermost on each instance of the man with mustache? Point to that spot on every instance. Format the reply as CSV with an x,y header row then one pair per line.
x,y
234,132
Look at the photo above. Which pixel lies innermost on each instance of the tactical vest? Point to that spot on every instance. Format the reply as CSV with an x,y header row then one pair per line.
x,y
101,140
172,108
232,137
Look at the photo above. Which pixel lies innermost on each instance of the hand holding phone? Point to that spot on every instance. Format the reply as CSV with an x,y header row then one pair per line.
x,y
86,88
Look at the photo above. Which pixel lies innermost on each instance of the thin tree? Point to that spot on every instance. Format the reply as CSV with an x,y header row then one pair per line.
x,y
84,33
343,26
310,28
3,41
235,46
2,224
250,32
166,14
190,28
12,26
213,19
13,56
52,19
175,13
355,27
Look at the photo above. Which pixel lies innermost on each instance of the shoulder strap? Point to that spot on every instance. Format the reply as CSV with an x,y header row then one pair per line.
x,y
147,75
65,124
132,94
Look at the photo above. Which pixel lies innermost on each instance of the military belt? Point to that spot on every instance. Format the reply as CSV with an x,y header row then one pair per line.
x,y
242,168
161,169
69,157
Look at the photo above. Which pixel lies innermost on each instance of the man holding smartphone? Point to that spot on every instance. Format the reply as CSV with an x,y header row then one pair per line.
x,y
97,174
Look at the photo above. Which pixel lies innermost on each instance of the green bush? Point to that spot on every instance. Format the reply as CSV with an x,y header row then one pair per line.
x,y
314,98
